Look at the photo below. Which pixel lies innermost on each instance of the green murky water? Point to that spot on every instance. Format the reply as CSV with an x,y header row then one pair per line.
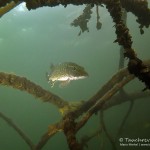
x,y
31,40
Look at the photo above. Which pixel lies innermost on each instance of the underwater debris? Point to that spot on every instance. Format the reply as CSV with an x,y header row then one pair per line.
x,y
98,24
140,70
83,19
3,3
9,6
140,9
135,65
69,129
65,72
137,7
86,138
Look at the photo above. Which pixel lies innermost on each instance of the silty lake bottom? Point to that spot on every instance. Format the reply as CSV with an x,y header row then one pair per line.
x,y
30,41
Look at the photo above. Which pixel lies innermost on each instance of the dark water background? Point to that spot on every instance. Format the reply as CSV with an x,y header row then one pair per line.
x,y
31,40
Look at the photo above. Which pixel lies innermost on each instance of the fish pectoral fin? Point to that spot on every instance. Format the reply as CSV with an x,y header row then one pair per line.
x,y
52,83
64,83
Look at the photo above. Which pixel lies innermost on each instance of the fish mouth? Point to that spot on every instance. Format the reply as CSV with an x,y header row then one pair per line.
x,y
86,74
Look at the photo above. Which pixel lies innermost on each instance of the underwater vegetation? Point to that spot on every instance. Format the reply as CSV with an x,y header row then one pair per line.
x,y
76,114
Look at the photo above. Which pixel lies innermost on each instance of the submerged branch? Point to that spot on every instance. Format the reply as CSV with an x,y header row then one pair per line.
x,y
8,7
135,65
112,141
140,9
83,19
18,130
53,129
86,138
102,104
121,61
24,84
118,77
98,106
137,7
117,81
119,99
109,94
125,118
5,2
98,23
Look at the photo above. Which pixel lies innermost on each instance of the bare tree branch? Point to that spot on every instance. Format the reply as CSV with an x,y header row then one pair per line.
x,y
116,78
112,141
53,129
125,118
18,130
24,84
86,138
106,97
8,7
119,99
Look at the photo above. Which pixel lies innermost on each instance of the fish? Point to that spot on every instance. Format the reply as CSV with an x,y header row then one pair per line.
x,y
65,72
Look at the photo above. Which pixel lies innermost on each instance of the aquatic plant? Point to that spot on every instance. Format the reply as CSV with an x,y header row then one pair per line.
x,y
112,93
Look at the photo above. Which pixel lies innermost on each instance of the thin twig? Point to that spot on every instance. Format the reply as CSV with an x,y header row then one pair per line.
x,y
86,138
53,129
112,141
125,118
18,130
109,94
